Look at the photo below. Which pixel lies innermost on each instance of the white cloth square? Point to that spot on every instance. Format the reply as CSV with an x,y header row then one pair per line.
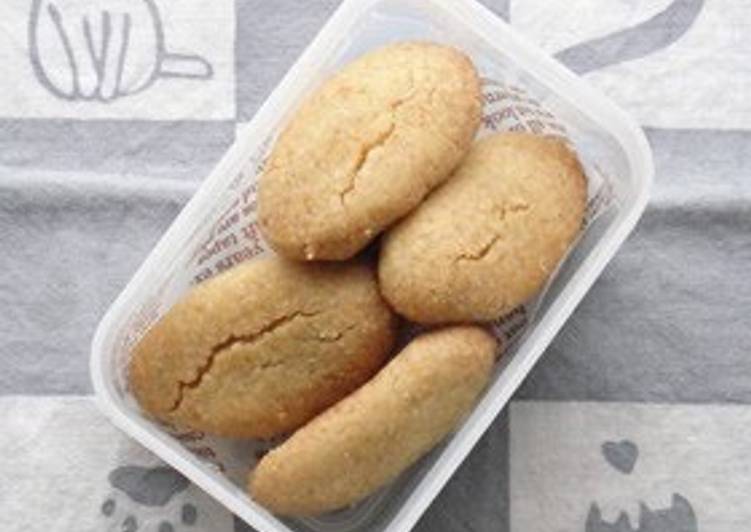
x,y
66,468
579,467
121,59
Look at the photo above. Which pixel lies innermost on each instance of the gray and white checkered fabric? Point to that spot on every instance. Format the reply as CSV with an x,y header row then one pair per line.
x,y
637,419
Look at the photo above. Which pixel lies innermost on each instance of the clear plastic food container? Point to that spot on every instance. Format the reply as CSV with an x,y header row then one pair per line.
x,y
524,89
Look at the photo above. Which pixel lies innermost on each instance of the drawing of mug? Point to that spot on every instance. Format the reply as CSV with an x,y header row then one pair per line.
x,y
104,49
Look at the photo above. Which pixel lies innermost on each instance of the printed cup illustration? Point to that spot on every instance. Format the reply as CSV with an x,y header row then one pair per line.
x,y
82,50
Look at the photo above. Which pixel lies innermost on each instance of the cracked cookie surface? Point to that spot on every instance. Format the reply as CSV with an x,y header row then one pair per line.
x,y
370,437
489,238
263,348
366,148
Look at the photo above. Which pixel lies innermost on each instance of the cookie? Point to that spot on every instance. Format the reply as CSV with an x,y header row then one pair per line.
x,y
366,147
261,349
366,440
489,238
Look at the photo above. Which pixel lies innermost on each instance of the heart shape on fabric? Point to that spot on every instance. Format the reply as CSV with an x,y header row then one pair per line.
x,y
621,455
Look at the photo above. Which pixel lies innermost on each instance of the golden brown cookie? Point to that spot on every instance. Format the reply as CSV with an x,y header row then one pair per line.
x,y
490,237
366,440
366,147
261,349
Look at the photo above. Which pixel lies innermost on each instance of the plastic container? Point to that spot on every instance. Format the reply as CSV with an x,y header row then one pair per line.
x,y
217,229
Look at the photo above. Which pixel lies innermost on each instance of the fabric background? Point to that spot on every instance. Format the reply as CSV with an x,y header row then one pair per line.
x,y
637,417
